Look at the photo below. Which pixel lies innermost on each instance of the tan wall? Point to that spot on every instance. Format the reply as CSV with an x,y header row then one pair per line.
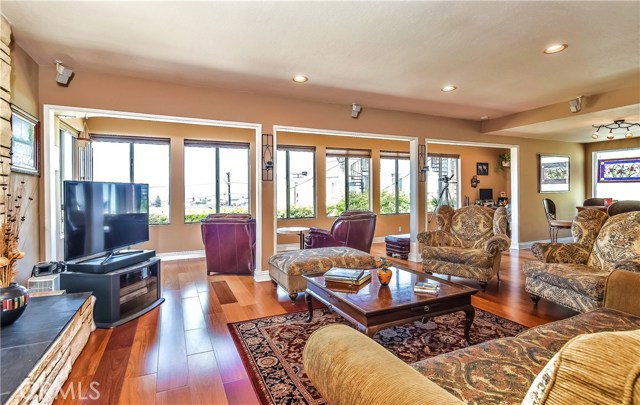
x,y
589,148
385,224
499,179
176,236
24,83
104,91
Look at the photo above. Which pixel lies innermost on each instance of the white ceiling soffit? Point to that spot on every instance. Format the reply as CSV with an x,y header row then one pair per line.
x,y
578,128
389,55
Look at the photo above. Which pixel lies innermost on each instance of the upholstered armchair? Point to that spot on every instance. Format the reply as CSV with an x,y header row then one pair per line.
x,y
574,274
467,243
229,243
353,229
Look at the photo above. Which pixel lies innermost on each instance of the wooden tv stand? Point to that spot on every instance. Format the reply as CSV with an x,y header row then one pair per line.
x,y
123,294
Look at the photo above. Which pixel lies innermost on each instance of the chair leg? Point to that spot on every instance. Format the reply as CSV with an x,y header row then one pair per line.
x,y
483,285
535,299
293,296
274,283
498,275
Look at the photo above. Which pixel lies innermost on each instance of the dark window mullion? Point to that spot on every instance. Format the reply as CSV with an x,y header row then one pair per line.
x,y
287,174
346,183
397,187
131,163
217,180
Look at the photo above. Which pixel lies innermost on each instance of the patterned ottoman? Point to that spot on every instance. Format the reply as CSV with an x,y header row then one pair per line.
x,y
286,269
398,245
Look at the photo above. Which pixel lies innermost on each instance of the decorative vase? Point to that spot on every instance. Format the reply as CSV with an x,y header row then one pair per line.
x,y
14,300
384,275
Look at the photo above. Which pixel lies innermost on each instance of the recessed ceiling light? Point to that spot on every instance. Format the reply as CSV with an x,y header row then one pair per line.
x,y
448,88
300,78
555,48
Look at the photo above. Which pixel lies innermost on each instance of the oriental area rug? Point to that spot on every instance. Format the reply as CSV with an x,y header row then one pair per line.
x,y
271,348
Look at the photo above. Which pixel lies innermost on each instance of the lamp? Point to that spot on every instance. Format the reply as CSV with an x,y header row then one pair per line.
x,y
267,157
616,124
423,168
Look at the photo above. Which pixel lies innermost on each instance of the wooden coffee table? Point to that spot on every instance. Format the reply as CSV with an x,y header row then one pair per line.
x,y
373,307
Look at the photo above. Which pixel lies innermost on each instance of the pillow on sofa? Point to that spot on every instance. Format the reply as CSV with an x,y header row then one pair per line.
x,y
597,368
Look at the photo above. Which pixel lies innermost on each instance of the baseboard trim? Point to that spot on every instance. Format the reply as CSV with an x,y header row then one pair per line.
x,y
378,239
527,245
191,254
261,276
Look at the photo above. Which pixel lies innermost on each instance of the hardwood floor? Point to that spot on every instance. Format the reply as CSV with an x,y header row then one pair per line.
x,y
182,352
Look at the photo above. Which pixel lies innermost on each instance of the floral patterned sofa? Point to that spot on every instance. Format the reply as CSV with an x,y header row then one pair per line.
x,y
574,274
589,358
467,243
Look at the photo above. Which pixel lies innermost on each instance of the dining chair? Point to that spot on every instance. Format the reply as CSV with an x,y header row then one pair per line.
x,y
554,224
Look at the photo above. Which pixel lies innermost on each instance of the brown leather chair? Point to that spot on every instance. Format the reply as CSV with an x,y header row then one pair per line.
x,y
623,206
229,243
554,224
353,229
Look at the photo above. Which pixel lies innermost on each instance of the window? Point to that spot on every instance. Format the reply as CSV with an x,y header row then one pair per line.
x,y
136,160
296,182
216,179
348,180
441,191
395,172
616,173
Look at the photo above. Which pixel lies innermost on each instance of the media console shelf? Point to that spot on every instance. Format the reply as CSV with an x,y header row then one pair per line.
x,y
121,295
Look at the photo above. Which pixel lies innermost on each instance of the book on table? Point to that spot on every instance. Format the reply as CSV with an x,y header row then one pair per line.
x,y
347,276
426,287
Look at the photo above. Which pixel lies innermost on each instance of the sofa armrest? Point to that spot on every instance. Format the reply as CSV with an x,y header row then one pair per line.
x,y
436,238
349,368
497,244
319,231
629,265
621,292
561,252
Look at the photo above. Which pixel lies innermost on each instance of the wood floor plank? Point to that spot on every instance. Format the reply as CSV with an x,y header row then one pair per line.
x,y
223,292
241,392
113,364
144,352
139,390
205,380
197,341
172,355
192,314
178,396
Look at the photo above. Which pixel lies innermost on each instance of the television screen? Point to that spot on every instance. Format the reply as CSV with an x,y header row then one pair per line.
x,y
486,194
103,217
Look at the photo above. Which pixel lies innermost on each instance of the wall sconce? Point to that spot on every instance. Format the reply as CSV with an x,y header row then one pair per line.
x,y
474,181
422,163
267,157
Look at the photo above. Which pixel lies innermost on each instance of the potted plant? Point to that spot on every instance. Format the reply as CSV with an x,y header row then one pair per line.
x,y
504,160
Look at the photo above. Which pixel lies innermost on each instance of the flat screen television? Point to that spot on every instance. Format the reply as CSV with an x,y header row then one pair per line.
x,y
486,194
103,217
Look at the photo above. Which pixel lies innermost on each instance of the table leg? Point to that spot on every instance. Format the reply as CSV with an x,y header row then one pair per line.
x,y
301,240
470,313
307,298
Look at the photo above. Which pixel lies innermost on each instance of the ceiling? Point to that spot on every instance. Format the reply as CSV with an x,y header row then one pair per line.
x,y
388,55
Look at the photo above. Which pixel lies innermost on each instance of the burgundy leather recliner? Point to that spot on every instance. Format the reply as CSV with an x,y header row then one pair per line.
x,y
229,243
353,229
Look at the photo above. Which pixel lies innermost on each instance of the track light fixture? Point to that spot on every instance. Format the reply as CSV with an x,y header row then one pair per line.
x,y
616,124
63,74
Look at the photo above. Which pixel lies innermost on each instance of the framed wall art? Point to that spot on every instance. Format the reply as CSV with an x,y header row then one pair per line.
x,y
554,173
25,147
482,169
625,170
